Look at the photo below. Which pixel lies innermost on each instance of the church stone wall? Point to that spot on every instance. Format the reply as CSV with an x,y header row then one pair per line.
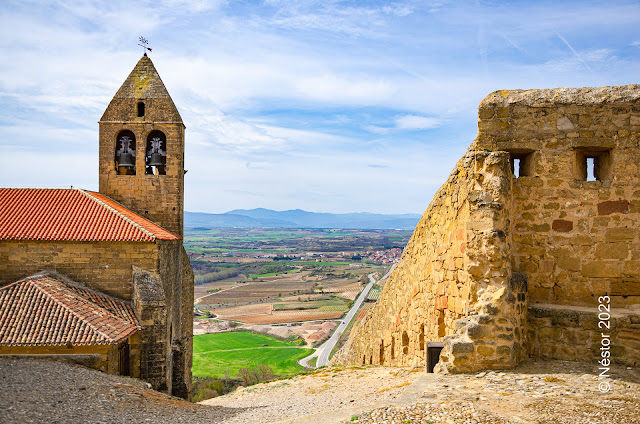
x,y
154,276
159,198
163,294
104,266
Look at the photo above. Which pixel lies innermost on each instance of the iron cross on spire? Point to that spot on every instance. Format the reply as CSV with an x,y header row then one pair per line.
x,y
143,43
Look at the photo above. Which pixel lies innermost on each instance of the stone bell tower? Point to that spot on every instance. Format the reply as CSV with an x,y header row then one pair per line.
x,y
142,149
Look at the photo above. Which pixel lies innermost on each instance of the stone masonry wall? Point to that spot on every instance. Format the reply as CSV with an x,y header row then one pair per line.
x,y
151,305
575,240
114,268
421,299
159,198
104,266
158,300
492,334
456,265
549,212
574,333
183,344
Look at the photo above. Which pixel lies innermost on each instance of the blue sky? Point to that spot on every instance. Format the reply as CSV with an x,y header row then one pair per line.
x,y
328,106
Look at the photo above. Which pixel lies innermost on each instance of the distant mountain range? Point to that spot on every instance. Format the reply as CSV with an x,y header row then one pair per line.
x,y
267,218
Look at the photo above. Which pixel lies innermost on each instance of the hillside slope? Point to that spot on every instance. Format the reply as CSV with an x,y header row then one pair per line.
x,y
551,392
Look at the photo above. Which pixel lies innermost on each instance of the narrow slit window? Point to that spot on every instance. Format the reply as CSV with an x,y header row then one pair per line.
x,y
594,165
140,109
591,176
516,167
521,163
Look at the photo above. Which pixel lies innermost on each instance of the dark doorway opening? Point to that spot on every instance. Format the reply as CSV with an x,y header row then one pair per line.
x,y
123,359
433,354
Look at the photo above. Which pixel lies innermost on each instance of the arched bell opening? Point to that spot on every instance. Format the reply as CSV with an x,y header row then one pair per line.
x,y
156,153
125,153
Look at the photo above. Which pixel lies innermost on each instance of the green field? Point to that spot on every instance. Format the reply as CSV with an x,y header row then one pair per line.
x,y
273,274
213,354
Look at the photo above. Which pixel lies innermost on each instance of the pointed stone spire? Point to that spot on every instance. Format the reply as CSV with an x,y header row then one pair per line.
x,y
142,98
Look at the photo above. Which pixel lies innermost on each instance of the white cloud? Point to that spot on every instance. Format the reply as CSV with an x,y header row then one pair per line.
x,y
335,89
194,5
406,123
413,122
276,94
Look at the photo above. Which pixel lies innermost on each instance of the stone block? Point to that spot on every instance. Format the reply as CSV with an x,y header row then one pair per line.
x,y
631,268
602,269
506,336
564,124
620,234
618,250
562,352
615,206
540,228
569,263
550,334
626,287
582,239
562,226
476,331
484,350
461,347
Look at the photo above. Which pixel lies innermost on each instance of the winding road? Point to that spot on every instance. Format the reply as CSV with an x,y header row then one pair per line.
x,y
323,352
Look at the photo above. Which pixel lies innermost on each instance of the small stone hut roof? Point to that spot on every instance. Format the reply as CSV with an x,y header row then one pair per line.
x,y
44,310
71,214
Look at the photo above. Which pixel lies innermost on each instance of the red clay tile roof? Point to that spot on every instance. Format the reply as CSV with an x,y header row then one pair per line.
x,y
42,310
71,214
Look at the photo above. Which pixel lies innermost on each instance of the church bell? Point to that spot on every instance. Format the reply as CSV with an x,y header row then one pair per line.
x,y
156,159
125,159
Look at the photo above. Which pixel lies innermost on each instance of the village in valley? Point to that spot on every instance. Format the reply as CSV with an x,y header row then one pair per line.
x,y
294,284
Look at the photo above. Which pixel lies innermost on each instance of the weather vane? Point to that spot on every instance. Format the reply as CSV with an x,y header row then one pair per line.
x,y
143,43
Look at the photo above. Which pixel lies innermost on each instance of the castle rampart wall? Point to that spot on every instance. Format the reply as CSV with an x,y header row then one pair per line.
x,y
455,266
547,201
575,239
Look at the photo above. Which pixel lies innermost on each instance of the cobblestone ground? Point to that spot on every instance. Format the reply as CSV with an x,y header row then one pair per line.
x,y
545,392
554,392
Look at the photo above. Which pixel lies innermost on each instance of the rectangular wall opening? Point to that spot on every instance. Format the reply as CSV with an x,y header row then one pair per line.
x,y
591,176
593,165
433,354
521,163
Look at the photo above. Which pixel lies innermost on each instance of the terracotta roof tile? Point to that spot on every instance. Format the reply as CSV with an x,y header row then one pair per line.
x,y
71,214
42,310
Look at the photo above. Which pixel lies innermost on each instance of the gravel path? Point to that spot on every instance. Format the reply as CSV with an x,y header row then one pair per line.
x,y
549,392
545,392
